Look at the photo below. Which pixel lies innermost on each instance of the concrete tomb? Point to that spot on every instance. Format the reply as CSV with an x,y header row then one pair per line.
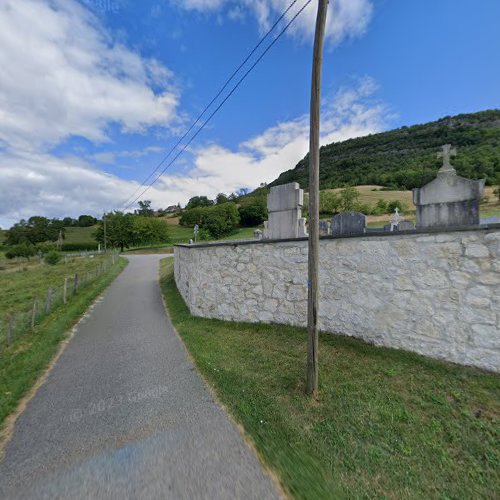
x,y
448,200
284,204
405,225
324,228
348,223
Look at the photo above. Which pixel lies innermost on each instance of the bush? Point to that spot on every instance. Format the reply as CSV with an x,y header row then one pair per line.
x,y
46,247
392,205
221,220
77,247
253,212
53,257
24,250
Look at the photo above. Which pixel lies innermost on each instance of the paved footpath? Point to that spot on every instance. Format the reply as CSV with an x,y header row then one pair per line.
x,y
124,414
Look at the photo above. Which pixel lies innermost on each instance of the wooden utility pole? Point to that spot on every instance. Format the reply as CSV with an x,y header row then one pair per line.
x,y
104,223
313,223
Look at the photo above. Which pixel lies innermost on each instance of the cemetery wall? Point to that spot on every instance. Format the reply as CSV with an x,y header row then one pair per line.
x,y
436,294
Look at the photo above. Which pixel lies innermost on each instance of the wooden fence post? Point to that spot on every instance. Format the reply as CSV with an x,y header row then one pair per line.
x,y
75,285
48,304
65,291
33,313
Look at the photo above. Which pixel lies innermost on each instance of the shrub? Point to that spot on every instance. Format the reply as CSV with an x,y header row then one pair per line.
x,y
24,250
392,205
380,208
53,257
46,247
221,220
77,247
253,213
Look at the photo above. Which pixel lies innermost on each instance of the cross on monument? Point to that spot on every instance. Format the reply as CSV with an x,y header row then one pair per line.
x,y
446,154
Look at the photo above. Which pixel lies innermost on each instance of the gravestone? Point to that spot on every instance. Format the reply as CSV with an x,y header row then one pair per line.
x,y
284,204
348,223
448,200
324,228
257,234
395,220
405,225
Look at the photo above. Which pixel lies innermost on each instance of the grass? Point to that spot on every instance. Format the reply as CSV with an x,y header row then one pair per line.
x,y
80,235
388,424
181,234
19,286
22,365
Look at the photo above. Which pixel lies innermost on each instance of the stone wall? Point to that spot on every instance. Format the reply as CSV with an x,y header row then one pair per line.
x,y
436,294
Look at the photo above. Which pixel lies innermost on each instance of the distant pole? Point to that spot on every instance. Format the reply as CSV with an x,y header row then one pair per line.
x,y
104,223
313,223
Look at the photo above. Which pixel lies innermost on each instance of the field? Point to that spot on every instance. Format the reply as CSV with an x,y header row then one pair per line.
x,y
79,235
19,284
22,364
388,423
371,194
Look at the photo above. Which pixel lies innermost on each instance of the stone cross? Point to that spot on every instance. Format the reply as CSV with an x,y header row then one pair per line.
x,y
446,155
395,219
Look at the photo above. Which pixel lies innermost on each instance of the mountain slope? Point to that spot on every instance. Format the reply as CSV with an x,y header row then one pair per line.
x,y
406,157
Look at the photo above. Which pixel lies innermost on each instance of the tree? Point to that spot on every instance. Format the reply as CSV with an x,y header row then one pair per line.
x,y
25,250
329,202
145,209
253,210
150,231
349,198
35,230
221,198
199,201
496,184
126,230
86,221
221,220
68,222
119,230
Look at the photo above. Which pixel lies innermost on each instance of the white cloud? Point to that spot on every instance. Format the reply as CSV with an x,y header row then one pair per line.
x,y
346,18
63,76
350,113
58,187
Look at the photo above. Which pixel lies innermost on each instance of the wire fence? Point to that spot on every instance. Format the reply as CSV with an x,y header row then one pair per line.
x,y
17,325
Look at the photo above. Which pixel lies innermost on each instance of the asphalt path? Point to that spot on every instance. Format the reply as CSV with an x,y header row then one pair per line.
x,y
124,414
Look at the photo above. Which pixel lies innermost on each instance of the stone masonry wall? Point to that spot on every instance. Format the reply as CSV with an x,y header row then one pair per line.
x,y
434,294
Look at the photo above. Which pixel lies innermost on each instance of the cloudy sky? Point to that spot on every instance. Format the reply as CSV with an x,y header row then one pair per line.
x,y
95,93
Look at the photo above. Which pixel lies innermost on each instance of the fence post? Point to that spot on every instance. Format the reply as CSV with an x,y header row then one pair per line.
x,y
11,329
33,313
65,291
49,301
75,285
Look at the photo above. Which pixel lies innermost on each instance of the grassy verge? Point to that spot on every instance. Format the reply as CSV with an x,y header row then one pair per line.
x,y
389,424
18,285
21,366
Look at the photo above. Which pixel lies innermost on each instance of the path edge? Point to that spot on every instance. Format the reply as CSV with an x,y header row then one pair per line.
x,y
247,440
9,425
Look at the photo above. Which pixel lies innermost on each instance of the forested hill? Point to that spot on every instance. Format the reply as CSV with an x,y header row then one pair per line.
x,y
406,158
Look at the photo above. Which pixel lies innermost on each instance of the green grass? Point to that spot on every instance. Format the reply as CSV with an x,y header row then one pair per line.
x,y
388,424
19,286
181,234
23,363
80,235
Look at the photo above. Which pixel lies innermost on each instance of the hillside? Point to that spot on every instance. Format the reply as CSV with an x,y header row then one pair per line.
x,y
406,157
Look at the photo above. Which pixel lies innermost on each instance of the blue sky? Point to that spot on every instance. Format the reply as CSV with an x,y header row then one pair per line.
x,y
97,91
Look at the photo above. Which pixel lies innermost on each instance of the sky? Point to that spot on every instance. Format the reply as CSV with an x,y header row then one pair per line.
x,y
95,93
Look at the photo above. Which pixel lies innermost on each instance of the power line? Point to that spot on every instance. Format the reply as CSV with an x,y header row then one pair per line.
x,y
228,81
240,81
